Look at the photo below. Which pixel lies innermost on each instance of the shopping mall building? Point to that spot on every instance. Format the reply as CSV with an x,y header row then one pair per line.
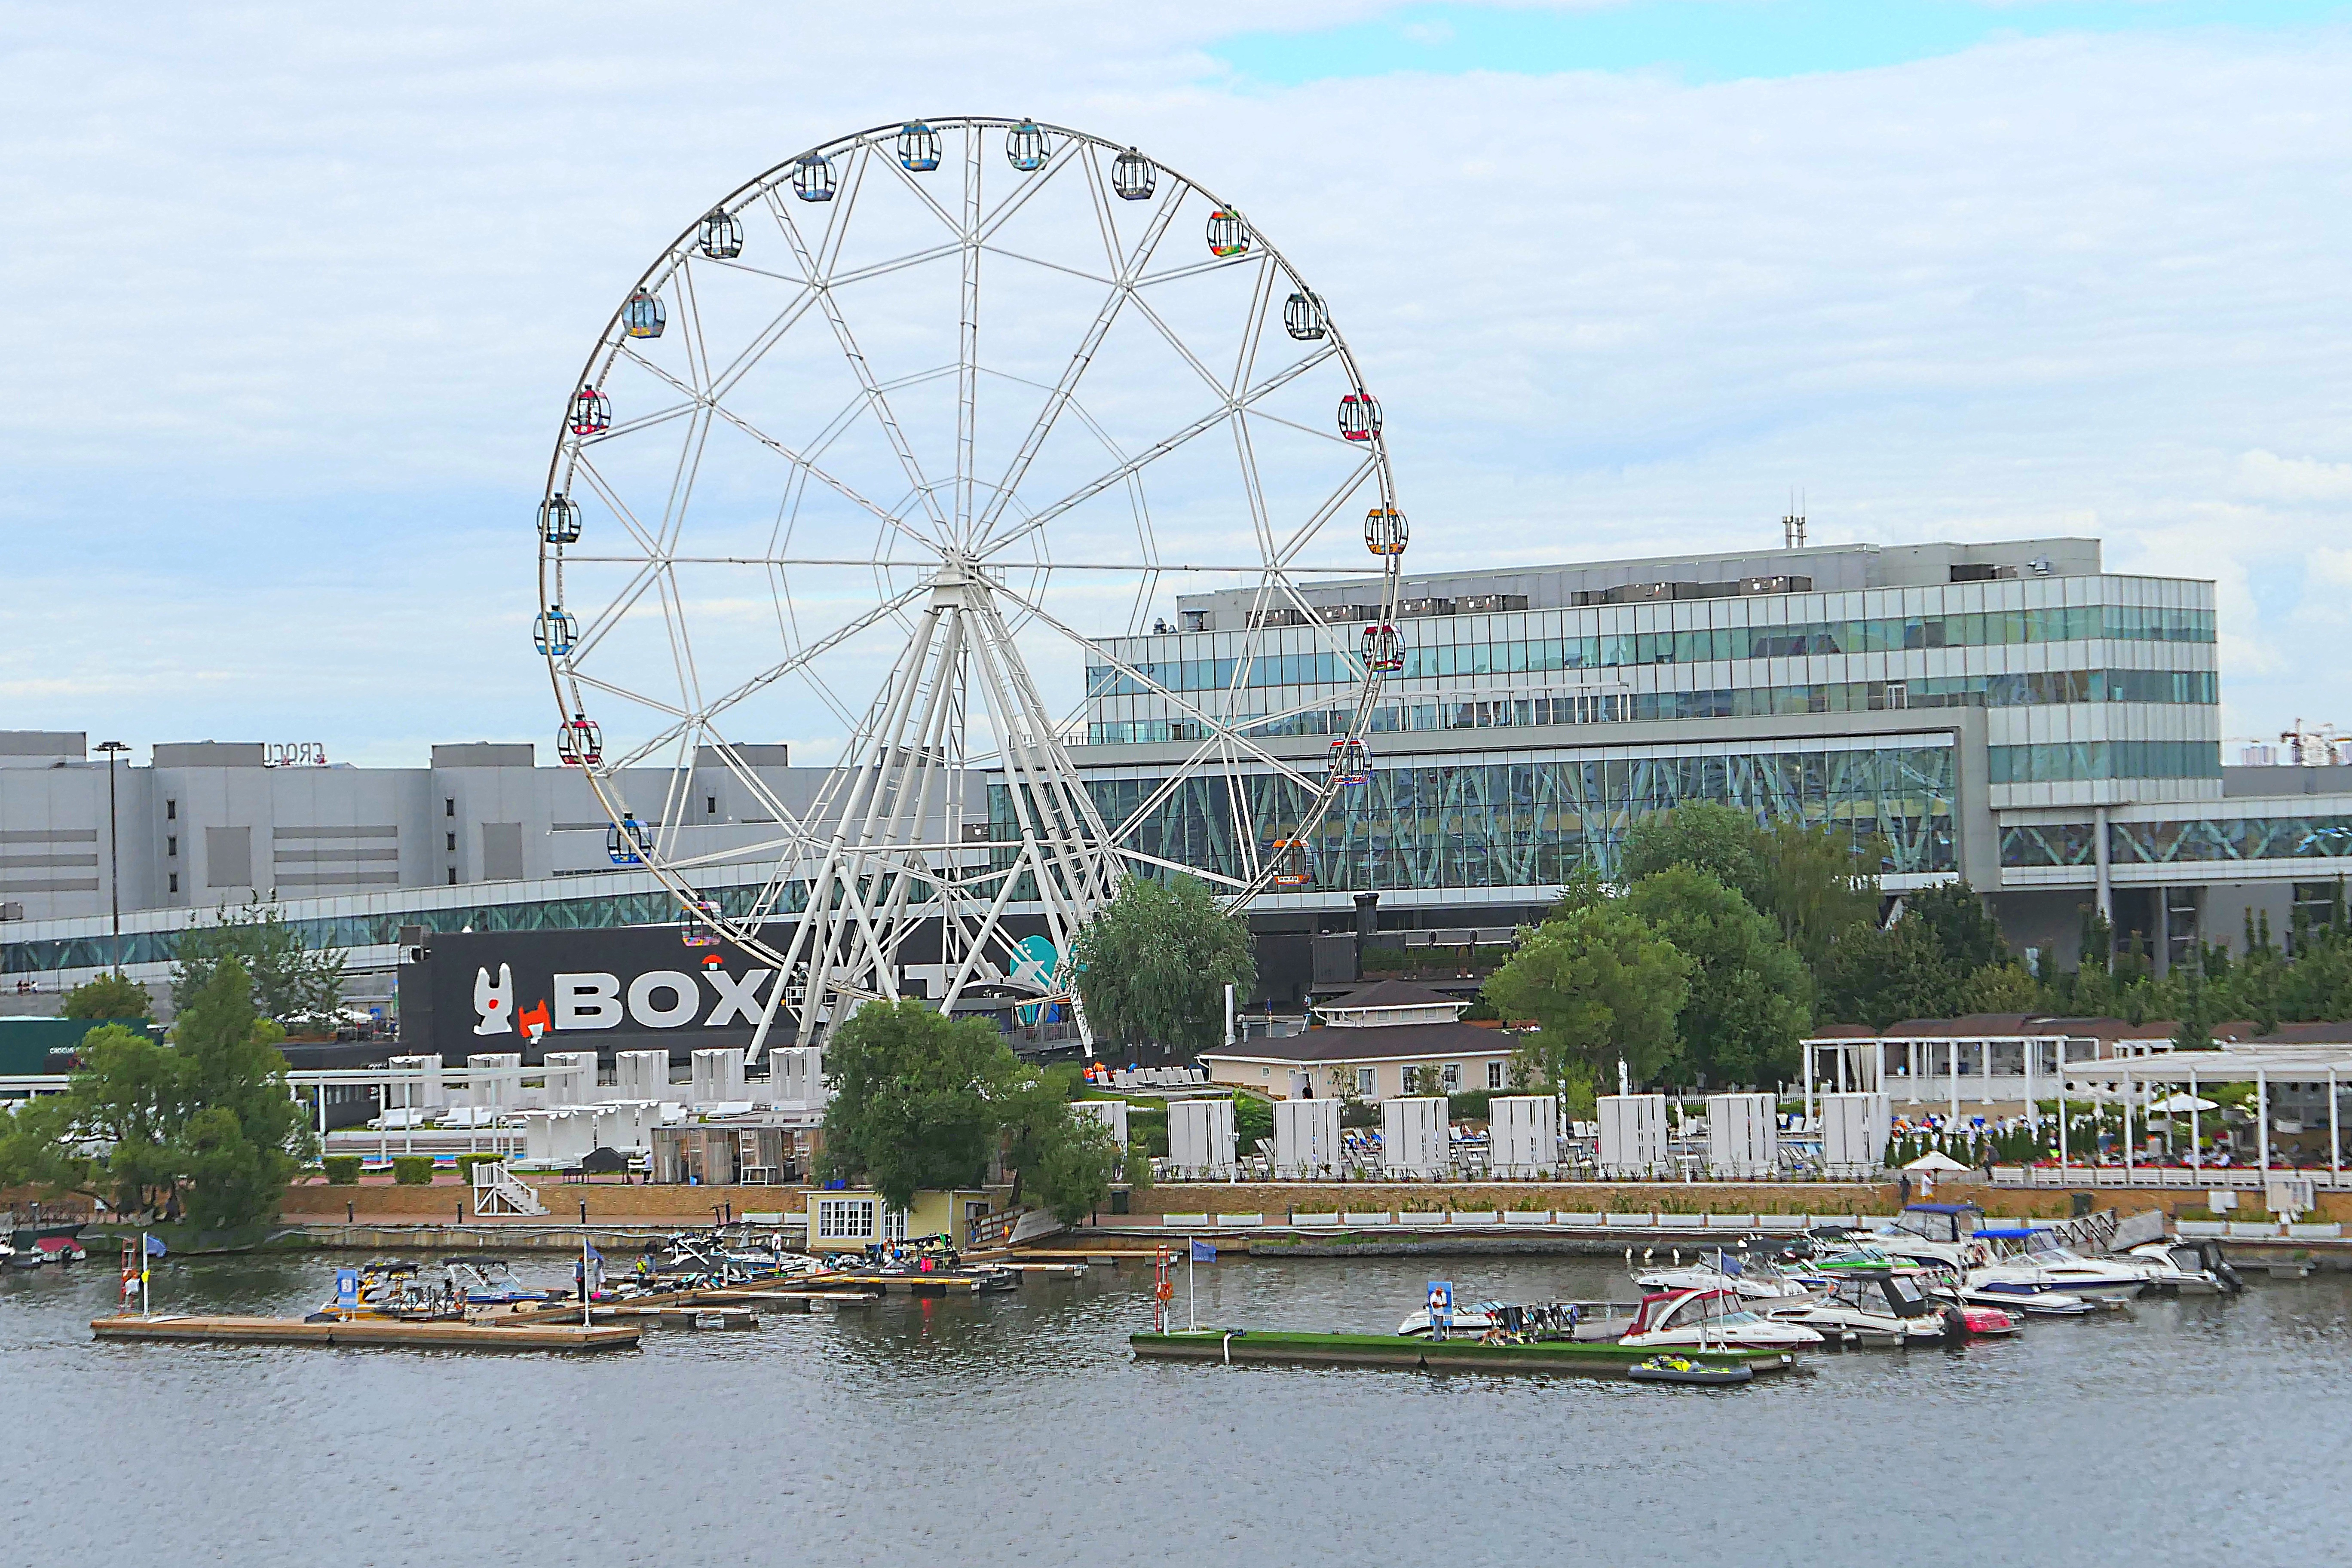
x,y
2010,713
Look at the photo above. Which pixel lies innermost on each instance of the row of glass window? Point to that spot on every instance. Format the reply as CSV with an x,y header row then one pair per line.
x,y
1520,823
593,913
2068,761
2062,686
2189,839
2071,623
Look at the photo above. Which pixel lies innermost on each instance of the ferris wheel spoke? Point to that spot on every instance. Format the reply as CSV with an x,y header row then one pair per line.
x,y
1139,857
1312,529
1332,435
1195,269
681,650
644,421
876,402
596,683
1151,687
1184,352
839,487
967,340
984,229
1153,453
1065,389
612,498
765,677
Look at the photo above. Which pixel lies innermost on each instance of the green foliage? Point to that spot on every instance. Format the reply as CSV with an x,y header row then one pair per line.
x,y
295,986
412,1170
110,995
1136,1169
204,1121
1153,965
1603,984
1069,1169
1815,883
918,1100
2001,988
465,1163
1749,998
1967,934
1253,1120
342,1170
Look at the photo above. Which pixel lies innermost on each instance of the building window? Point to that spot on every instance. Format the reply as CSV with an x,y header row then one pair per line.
x,y
894,1225
453,842
1450,1075
1493,1075
171,811
1366,1083
710,806
452,876
844,1219
176,881
448,806
171,845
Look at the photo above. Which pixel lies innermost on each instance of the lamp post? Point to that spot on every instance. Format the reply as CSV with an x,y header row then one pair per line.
x,y
111,750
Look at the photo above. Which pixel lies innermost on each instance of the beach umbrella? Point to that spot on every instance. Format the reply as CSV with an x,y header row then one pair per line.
x,y
1935,1160
2182,1102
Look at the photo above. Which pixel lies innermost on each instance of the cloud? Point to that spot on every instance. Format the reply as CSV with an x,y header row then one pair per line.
x,y
2296,479
297,297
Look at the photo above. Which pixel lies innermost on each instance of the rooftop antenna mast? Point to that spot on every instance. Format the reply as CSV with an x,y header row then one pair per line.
x,y
1793,526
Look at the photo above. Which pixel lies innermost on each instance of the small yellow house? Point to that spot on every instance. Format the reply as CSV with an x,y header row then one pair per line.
x,y
854,1218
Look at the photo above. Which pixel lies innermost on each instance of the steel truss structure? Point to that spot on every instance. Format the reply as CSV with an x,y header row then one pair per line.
x,y
891,442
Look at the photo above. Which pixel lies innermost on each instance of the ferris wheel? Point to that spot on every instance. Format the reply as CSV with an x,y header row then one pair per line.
x,y
902,450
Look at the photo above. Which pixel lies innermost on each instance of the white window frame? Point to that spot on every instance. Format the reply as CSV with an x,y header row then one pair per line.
x,y
1449,1078
1368,1082
894,1225
832,1214
1495,1076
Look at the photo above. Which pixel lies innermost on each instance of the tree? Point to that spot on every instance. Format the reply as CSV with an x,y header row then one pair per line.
x,y
205,1120
918,1100
1877,976
2001,988
113,994
297,986
1969,937
1815,883
1749,997
1604,986
1069,1164
1154,963
1824,885
1721,840
245,1136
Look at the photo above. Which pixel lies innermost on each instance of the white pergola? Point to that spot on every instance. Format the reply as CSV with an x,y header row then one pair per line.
x,y
2259,1065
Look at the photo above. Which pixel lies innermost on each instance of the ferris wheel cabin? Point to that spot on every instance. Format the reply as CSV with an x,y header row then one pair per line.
x,y
579,742
1025,147
918,148
559,521
1133,175
721,236
643,316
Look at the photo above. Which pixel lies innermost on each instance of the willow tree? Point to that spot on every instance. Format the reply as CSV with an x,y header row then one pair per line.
x,y
1153,965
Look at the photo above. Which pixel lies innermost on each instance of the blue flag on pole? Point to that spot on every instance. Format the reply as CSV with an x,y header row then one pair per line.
x,y
154,1247
1203,1251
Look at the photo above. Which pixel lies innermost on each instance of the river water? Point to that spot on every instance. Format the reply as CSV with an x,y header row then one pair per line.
x,y
1017,1429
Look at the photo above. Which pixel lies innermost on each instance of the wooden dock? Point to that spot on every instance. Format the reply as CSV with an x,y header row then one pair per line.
x,y
374,1333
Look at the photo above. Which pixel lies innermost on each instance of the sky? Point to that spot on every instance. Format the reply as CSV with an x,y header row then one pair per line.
x,y
296,295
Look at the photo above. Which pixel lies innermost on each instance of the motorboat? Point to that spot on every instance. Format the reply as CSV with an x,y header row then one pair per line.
x,y
59,1250
1881,1309
386,1289
1755,1279
489,1282
1710,1319
2036,1260
2189,1266
1934,1233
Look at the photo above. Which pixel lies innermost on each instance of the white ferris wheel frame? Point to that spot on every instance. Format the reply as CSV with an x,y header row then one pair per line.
x,y
870,878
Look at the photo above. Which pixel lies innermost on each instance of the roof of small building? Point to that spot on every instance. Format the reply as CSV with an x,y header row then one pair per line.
x,y
1410,1042
1392,993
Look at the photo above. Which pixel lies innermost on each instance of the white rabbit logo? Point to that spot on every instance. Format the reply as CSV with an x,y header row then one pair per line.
x,y
494,1003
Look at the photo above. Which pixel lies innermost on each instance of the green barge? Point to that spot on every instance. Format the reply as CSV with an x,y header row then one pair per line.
x,y
1582,1359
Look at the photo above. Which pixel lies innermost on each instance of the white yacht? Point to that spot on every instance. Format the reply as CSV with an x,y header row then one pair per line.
x,y
1711,1320
1934,1233
2034,1261
1755,1279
